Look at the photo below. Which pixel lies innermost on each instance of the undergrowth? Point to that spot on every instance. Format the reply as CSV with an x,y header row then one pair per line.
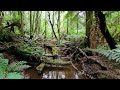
x,y
113,54
12,70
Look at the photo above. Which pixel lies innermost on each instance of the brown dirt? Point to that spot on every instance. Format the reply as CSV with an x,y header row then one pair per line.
x,y
112,72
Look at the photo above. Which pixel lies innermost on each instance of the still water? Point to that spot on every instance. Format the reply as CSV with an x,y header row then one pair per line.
x,y
54,73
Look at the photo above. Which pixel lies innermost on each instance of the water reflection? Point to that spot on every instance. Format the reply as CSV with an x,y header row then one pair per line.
x,y
53,73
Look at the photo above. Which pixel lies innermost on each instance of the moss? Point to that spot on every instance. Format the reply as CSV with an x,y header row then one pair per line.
x,y
58,62
40,67
6,36
55,50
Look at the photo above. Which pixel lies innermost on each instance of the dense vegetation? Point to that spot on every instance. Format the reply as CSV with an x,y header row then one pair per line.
x,y
43,39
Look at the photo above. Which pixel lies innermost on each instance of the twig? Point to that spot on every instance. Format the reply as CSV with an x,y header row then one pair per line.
x,y
83,53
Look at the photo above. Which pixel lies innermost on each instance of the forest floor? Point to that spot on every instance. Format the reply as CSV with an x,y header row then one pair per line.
x,y
112,72
93,67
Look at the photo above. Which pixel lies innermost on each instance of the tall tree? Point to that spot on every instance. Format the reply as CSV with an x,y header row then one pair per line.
x,y
39,22
77,23
53,21
104,30
31,25
33,20
36,22
45,25
89,17
58,25
1,20
21,23
67,25
52,25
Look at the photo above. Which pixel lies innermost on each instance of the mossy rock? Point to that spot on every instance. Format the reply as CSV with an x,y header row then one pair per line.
x,y
40,67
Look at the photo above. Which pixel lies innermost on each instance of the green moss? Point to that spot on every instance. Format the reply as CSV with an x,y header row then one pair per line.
x,y
58,62
40,67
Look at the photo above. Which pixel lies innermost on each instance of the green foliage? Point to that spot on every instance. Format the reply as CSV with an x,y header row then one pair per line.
x,y
1,55
31,50
6,35
76,39
111,54
19,66
14,75
11,71
113,23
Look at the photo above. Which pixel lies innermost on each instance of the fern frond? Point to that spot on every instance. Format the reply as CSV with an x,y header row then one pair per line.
x,y
19,66
14,75
111,54
21,62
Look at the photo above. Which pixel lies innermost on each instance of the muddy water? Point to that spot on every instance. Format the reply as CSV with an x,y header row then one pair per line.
x,y
54,73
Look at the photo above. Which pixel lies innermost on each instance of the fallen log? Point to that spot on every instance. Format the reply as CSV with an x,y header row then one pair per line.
x,y
57,62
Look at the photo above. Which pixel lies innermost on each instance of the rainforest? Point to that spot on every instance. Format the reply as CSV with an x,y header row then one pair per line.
x,y
59,45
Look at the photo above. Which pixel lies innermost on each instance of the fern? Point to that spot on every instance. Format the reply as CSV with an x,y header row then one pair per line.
x,y
1,55
111,54
11,71
19,66
14,75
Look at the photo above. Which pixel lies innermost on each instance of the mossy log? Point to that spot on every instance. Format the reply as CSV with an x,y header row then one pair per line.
x,y
40,68
33,59
57,62
51,63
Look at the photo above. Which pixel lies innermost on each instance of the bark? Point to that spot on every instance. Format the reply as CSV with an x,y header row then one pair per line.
x,y
31,25
33,21
89,16
36,22
52,26
21,22
104,30
45,24
53,23
67,25
58,24
77,24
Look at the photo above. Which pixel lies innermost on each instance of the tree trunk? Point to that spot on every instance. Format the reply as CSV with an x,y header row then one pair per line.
x,y
58,26
77,24
39,28
21,23
53,23
67,25
31,25
36,22
52,26
33,21
102,24
45,25
89,17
